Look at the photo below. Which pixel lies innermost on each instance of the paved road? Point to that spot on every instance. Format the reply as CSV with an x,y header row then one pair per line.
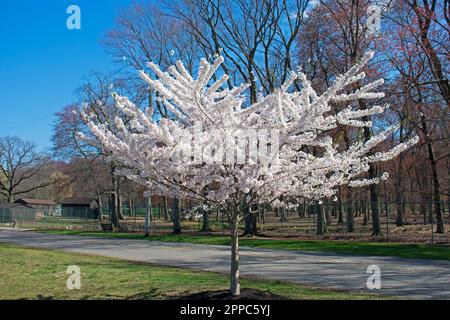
x,y
410,278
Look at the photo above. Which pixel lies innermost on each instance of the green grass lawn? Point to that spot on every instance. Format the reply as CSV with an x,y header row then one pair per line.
x,y
28,273
420,251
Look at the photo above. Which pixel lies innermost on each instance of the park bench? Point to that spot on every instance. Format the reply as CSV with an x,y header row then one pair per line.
x,y
107,227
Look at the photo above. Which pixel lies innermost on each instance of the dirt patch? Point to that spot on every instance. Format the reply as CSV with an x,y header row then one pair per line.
x,y
246,294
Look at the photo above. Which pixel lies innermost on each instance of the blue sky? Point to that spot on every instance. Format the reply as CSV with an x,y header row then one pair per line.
x,y
42,62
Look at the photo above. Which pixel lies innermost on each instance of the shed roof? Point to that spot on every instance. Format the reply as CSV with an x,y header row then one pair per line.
x,y
39,202
77,201
12,206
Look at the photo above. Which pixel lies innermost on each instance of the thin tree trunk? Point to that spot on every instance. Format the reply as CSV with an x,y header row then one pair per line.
x,y
376,228
130,205
327,214
250,224
100,205
205,225
366,217
235,287
435,177
282,214
148,216
321,221
119,202
165,208
176,216
114,200
424,18
399,184
349,210
340,213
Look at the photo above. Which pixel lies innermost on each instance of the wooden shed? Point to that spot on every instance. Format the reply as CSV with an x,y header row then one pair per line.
x,y
80,208
42,207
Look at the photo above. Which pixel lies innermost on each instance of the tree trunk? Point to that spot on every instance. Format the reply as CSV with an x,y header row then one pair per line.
x,y
356,207
399,184
250,225
176,216
376,228
434,174
205,226
148,216
366,217
282,214
263,214
424,18
130,205
301,209
235,287
349,210
327,214
119,203
340,213
114,200
160,209
321,221
165,208
448,185
100,206
114,215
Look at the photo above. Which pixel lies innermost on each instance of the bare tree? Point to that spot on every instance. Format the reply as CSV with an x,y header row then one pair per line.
x,y
96,94
414,52
19,163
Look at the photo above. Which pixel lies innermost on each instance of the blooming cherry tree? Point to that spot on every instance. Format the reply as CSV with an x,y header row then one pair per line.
x,y
220,151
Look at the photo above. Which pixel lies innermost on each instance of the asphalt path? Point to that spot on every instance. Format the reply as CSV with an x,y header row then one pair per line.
x,y
408,278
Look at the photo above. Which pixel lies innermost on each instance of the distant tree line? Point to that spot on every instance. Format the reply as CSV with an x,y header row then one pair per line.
x,y
262,41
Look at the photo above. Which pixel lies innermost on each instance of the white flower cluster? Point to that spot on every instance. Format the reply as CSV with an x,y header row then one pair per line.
x,y
308,162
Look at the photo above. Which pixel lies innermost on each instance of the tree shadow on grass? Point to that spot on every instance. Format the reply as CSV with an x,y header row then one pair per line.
x,y
42,297
151,294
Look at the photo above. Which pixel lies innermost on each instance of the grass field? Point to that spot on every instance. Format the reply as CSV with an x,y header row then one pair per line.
x,y
422,251
28,273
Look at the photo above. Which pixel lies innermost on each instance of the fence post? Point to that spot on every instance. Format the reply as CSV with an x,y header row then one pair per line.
x,y
346,223
147,216
385,203
387,223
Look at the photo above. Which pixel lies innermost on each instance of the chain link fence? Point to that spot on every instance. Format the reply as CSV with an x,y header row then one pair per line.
x,y
31,218
308,221
408,221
